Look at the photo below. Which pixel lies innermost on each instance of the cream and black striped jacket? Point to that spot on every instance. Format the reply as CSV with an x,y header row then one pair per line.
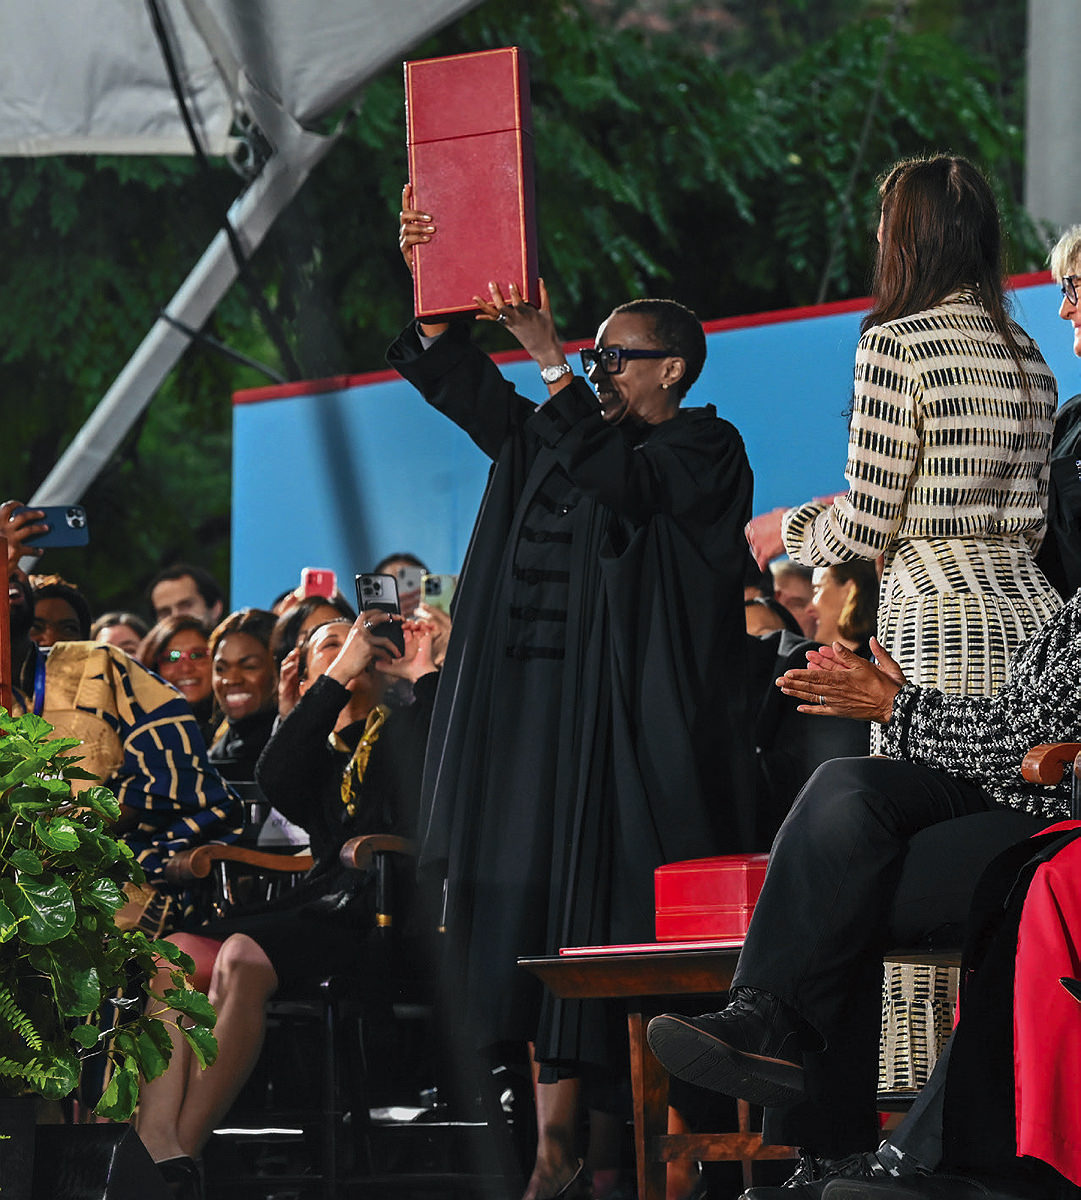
x,y
948,474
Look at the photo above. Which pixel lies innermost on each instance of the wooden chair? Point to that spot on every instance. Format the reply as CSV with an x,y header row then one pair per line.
x,y
1048,763
334,1006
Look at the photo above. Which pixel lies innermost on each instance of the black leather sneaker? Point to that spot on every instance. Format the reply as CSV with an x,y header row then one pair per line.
x,y
814,1174
749,1050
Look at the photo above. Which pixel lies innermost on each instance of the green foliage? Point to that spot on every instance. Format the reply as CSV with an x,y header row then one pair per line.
x,y
717,154
62,957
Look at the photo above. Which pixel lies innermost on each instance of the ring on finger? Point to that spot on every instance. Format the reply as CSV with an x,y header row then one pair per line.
x,y
502,318
821,699
369,626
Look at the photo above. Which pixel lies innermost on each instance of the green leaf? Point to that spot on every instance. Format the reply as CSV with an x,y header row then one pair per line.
x,y
76,984
192,1004
86,1036
171,952
101,801
105,894
57,1074
26,861
203,1043
8,924
120,1097
145,1050
44,902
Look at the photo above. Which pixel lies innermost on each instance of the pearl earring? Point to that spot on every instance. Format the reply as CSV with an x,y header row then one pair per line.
x,y
664,386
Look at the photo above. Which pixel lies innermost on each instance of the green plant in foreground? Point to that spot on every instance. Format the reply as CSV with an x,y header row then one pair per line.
x,y
62,958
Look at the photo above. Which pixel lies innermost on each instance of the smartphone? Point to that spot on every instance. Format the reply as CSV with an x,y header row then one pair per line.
x,y
437,590
67,525
317,581
381,592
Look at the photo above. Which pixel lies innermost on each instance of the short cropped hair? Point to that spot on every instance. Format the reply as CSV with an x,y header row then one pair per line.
x,y
675,328
205,583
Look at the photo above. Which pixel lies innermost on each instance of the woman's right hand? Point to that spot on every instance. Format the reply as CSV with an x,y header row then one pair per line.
x,y
289,683
20,529
414,229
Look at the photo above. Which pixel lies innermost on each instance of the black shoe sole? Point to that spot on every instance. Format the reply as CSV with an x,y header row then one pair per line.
x,y
698,1058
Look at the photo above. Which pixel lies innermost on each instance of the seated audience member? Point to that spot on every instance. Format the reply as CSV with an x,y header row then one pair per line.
x,y
758,582
61,613
340,765
178,650
789,747
792,587
764,616
121,629
245,687
186,590
403,567
139,740
844,602
800,1034
291,625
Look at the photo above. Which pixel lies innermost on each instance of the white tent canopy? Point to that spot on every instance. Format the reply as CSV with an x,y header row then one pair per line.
x,y
89,76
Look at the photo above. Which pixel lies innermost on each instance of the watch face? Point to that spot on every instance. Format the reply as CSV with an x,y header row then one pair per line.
x,y
552,374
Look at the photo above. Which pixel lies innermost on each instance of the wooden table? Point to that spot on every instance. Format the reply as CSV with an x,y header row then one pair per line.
x,y
640,979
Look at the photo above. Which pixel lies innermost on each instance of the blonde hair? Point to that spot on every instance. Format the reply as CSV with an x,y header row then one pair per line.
x,y
1065,253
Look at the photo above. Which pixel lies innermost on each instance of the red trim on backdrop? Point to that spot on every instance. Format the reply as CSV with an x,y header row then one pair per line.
x,y
337,383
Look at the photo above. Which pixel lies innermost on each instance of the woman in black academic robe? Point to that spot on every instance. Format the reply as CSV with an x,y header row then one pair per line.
x,y
591,722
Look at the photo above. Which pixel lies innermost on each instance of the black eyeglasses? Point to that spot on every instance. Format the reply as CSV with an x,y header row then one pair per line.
x,y
1069,287
611,359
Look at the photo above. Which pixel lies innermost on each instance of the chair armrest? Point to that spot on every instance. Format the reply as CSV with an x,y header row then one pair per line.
x,y
358,852
196,863
1047,764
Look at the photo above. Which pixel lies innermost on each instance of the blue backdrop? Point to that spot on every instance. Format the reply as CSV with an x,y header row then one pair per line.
x,y
342,475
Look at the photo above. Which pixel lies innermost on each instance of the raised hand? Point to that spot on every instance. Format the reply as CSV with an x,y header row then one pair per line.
x,y
533,327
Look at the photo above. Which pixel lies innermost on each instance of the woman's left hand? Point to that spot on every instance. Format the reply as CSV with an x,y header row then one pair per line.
x,y
533,327
417,659
849,687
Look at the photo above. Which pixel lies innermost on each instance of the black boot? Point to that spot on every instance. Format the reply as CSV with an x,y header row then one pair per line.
x,y
749,1050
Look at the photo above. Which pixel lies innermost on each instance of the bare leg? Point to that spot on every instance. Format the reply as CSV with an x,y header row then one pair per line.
x,y
683,1172
161,1099
557,1109
241,983
603,1155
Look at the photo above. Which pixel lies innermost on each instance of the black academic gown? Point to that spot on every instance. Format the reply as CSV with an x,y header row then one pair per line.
x,y
591,721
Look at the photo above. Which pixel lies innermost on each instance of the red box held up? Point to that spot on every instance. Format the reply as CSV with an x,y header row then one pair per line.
x,y
707,898
470,142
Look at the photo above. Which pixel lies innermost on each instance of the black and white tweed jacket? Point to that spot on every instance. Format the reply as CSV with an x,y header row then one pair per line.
x,y
984,738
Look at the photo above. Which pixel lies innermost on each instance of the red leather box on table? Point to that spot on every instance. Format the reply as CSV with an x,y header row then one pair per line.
x,y
707,898
470,139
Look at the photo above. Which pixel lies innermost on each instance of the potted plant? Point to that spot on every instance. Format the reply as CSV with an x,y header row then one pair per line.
x,y
62,957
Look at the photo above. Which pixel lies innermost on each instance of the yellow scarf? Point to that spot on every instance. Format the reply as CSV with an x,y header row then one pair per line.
x,y
353,775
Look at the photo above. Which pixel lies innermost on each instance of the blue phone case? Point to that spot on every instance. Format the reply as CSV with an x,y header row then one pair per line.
x,y
67,525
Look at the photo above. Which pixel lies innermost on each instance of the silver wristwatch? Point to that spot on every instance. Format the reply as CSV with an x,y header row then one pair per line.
x,y
555,374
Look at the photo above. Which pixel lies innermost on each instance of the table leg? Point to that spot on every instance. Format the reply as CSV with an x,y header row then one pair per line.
x,y
649,1085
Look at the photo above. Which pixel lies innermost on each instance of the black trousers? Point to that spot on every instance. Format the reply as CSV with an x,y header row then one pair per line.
x,y
874,853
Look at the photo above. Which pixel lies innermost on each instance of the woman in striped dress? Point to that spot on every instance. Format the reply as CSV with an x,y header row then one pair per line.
x,y
947,470
949,441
